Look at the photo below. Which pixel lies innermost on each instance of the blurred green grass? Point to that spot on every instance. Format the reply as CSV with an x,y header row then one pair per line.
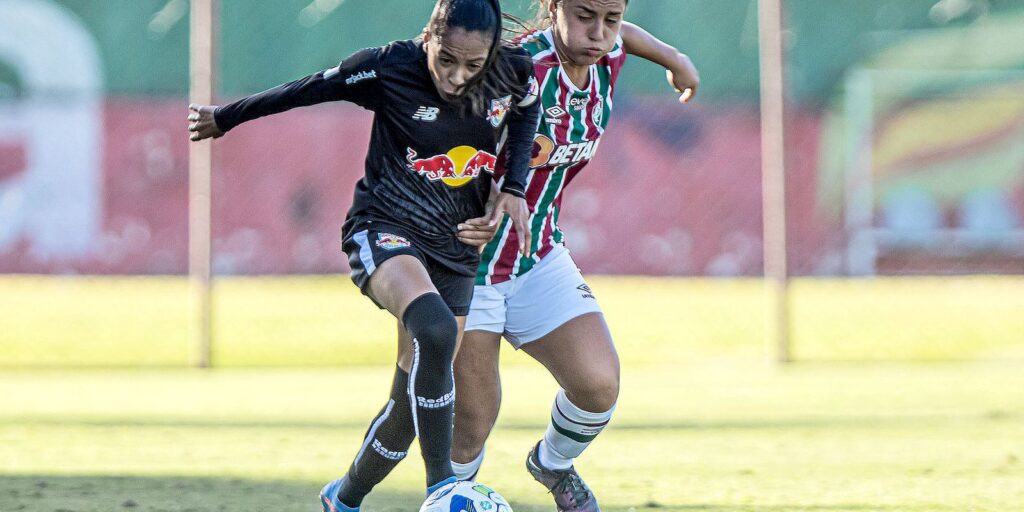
x,y
98,412
715,435
323,321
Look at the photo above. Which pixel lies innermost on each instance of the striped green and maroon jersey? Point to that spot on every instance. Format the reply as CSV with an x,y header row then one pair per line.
x,y
570,129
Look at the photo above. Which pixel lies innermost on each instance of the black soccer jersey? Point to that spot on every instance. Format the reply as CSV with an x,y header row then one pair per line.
x,y
430,163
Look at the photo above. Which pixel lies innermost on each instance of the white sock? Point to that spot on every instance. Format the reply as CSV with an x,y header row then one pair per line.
x,y
570,432
469,469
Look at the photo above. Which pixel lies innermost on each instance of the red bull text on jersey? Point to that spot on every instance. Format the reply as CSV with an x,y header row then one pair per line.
x,y
567,138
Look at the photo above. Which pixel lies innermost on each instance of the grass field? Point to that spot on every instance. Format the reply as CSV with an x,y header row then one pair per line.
x,y
323,321
704,422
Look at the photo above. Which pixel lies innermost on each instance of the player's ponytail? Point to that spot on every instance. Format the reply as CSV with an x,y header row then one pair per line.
x,y
498,77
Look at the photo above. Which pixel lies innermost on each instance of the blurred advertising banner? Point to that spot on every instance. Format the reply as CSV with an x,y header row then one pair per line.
x,y
904,134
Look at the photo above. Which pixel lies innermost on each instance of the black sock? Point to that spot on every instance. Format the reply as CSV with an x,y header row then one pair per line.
x,y
431,385
384,446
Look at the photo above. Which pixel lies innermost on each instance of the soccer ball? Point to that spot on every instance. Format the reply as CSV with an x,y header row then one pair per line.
x,y
465,497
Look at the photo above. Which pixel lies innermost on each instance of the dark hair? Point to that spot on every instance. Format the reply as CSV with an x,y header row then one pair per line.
x,y
498,78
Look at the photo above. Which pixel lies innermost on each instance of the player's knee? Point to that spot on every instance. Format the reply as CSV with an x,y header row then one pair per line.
x,y
432,325
439,338
598,393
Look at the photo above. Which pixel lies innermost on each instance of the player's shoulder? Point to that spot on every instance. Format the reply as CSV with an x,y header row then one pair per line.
x,y
401,53
521,59
538,44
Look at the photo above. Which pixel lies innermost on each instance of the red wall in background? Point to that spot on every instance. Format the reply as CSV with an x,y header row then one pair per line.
x,y
673,191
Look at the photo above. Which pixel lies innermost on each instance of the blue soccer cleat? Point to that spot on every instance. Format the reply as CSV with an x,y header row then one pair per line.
x,y
329,498
448,481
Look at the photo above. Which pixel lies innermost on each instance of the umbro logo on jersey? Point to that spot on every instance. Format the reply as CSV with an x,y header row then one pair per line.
x,y
360,76
556,111
555,115
585,291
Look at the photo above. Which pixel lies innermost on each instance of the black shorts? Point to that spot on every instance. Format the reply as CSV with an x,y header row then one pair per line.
x,y
369,246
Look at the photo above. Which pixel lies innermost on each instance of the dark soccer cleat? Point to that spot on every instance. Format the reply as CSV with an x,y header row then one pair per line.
x,y
569,490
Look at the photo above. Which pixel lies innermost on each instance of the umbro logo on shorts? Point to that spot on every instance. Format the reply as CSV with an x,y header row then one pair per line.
x,y
426,114
585,291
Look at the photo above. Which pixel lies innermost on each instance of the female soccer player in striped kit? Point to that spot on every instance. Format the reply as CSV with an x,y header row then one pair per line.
x,y
441,106
540,302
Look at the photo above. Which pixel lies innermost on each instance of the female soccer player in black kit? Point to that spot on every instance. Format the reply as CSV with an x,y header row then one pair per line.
x,y
441,105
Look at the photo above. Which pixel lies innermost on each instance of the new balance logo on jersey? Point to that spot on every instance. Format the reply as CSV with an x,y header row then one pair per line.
x,y
585,291
360,76
426,114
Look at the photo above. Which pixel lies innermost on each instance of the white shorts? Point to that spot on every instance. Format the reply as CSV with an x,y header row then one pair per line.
x,y
530,306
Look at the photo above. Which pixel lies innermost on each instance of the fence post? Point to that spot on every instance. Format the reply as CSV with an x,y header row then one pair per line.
x,y
773,176
200,163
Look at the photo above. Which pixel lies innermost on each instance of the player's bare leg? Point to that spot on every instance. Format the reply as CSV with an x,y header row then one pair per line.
x,y
581,356
478,388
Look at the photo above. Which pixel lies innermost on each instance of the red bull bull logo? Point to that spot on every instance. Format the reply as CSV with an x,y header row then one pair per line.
x,y
390,242
499,108
454,168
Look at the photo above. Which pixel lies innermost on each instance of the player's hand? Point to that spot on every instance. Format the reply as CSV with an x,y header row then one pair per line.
x,y
201,123
684,78
517,210
477,232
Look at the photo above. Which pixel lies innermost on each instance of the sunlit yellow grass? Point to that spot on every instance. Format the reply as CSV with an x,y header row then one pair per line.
x,y
324,321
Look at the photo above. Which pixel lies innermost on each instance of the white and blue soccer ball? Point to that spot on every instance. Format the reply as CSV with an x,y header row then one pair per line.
x,y
465,497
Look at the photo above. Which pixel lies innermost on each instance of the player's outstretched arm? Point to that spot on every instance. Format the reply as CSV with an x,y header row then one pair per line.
x,y
681,72
202,124
355,79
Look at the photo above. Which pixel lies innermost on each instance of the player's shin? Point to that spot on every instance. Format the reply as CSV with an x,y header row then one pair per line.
x,y
570,431
431,383
468,470
386,443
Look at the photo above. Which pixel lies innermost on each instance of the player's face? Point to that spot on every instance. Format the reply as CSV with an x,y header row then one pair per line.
x,y
585,30
455,59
